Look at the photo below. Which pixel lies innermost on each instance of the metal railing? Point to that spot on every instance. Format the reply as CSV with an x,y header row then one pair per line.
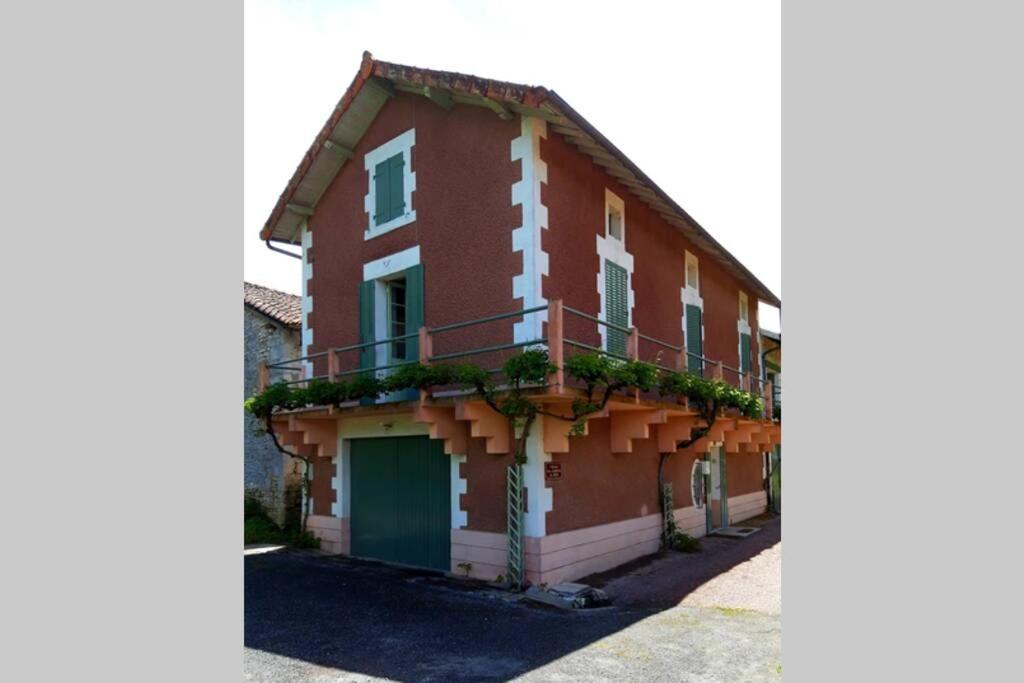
x,y
555,341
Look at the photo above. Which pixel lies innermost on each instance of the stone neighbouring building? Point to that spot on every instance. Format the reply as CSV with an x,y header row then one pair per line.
x,y
273,324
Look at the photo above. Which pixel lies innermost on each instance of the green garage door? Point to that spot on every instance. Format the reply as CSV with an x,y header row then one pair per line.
x,y
401,505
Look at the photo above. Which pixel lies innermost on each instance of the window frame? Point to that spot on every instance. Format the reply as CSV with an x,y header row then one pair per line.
x,y
401,144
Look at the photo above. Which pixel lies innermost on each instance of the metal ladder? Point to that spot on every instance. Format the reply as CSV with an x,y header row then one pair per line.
x,y
515,525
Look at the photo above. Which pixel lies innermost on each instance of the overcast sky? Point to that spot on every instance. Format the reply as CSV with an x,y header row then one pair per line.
x,y
690,91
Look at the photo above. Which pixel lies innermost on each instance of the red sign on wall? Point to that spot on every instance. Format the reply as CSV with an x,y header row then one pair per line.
x,y
552,471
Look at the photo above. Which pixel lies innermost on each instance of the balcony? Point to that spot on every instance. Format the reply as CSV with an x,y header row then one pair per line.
x,y
455,414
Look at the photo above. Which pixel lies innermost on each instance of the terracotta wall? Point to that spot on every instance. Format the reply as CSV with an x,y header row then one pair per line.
x,y
484,499
320,486
575,196
464,222
743,473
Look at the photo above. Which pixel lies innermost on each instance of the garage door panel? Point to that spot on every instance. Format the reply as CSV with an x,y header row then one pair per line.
x,y
401,501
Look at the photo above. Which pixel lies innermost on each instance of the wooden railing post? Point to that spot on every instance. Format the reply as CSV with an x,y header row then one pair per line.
x,y
556,343
768,396
426,351
264,375
718,371
633,344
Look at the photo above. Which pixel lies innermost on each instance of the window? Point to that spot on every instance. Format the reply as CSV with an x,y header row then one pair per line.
x,y
744,309
388,189
392,182
614,216
617,302
396,316
692,272
614,222
614,279
697,489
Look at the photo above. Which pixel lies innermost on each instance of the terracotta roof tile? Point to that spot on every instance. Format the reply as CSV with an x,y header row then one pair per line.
x,y
281,306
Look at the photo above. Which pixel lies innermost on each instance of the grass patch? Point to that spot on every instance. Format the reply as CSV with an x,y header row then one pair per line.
x,y
734,611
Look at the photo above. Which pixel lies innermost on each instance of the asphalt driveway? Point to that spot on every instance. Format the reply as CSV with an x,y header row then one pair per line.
x,y
315,618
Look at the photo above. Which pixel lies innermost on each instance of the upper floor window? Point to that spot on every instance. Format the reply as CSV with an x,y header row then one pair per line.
x,y
388,202
615,216
692,272
744,308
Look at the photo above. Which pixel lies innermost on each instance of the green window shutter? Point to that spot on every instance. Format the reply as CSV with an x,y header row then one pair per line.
x,y
694,343
381,188
745,353
367,291
616,298
414,318
396,190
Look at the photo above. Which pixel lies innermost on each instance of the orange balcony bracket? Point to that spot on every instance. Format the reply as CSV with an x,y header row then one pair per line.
x,y
674,430
556,432
627,425
719,429
443,425
320,433
742,434
485,422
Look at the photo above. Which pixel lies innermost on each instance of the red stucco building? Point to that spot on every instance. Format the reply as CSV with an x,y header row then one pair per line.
x,y
431,199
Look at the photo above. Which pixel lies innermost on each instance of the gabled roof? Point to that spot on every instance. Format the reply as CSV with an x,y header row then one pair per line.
x,y
377,81
281,306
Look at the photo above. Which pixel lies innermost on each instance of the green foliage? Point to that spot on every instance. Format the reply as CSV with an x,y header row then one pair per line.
x,y
262,530
531,367
710,393
685,543
254,506
597,371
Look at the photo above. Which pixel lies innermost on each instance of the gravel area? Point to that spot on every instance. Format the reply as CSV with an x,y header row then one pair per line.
x,y
729,573
755,585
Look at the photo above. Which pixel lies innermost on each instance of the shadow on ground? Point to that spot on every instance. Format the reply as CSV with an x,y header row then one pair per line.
x,y
329,613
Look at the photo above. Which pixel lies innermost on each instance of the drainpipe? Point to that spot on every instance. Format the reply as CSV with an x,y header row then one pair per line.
x,y
271,247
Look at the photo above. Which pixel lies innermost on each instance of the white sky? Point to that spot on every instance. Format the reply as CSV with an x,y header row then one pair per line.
x,y
690,91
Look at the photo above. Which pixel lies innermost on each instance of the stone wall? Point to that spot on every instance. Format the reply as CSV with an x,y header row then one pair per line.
x,y
270,341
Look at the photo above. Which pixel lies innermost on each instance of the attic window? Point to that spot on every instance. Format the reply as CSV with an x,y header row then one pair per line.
x,y
614,212
692,272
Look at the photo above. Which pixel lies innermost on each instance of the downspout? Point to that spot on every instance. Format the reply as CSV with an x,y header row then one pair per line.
x,y
271,247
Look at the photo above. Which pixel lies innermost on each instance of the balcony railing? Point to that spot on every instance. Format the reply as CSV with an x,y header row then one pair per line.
x,y
335,363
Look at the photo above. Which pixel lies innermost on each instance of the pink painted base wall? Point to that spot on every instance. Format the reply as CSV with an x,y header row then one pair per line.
x,y
559,557
333,533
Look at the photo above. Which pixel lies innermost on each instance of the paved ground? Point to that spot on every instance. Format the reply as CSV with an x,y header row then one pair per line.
x,y
312,618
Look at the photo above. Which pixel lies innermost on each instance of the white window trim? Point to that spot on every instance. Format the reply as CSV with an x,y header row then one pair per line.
x,y
380,271
614,250
404,144
691,295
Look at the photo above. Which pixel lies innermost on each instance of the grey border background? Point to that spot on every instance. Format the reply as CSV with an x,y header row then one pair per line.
x,y
902,176
122,151
122,277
